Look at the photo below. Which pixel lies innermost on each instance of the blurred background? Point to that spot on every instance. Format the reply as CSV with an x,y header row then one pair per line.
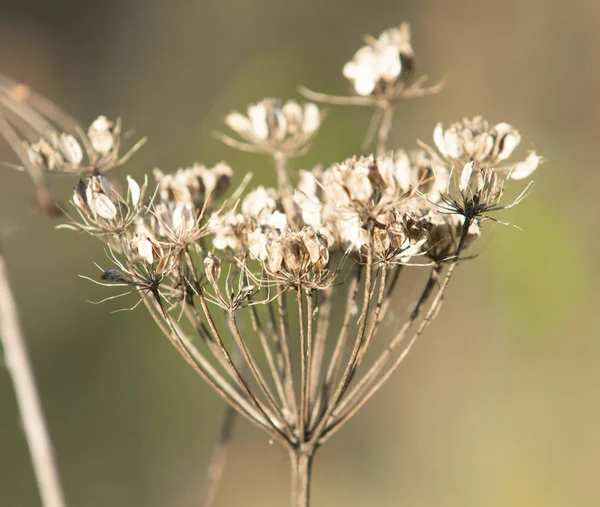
x,y
498,405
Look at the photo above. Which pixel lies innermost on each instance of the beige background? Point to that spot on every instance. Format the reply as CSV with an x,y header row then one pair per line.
x,y
498,406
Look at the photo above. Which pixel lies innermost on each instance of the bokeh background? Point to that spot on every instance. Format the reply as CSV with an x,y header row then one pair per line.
x,y
498,405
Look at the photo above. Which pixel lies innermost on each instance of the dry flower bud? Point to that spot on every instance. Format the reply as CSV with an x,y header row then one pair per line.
x,y
101,135
212,268
71,150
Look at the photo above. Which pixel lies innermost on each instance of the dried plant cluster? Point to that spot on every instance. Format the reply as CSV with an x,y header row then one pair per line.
x,y
297,280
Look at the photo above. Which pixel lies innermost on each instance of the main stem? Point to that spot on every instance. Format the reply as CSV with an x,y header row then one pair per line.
x,y
301,462
30,408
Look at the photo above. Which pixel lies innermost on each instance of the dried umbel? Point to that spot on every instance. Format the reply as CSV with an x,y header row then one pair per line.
x,y
273,126
94,153
382,63
269,272
381,75
474,140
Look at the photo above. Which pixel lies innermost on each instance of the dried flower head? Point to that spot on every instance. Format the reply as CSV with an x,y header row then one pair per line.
x,y
273,126
94,153
196,185
103,210
478,141
382,62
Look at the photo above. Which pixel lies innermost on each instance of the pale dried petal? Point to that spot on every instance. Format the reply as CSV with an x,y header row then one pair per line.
x,y
438,139
101,135
258,117
134,191
238,123
465,176
71,149
102,206
526,168
312,118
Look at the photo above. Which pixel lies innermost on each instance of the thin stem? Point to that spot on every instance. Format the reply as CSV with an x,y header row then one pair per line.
x,y
384,129
243,384
431,313
336,358
283,329
324,306
301,463
355,100
285,187
219,458
28,401
378,315
304,373
351,366
258,376
200,364
275,371
355,394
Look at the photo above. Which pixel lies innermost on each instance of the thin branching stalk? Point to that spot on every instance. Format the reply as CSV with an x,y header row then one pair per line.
x,y
258,376
203,367
218,459
28,401
304,366
351,365
287,354
431,313
274,422
336,358
387,116
275,371
324,306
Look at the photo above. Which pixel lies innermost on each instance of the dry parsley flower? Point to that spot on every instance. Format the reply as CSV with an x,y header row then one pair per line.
x,y
299,260
273,126
476,140
382,62
94,153
103,210
197,185
476,191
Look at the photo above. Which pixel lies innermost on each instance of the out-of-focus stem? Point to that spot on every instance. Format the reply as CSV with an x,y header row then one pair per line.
x,y
384,129
285,187
34,424
219,458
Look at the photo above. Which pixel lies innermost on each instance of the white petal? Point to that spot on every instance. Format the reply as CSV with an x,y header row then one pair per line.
x,y
145,250
102,206
526,168
509,143
70,149
238,123
278,220
134,191
402,172
364,84
438,139
465,176
258,118
451,141
388,64
311,118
